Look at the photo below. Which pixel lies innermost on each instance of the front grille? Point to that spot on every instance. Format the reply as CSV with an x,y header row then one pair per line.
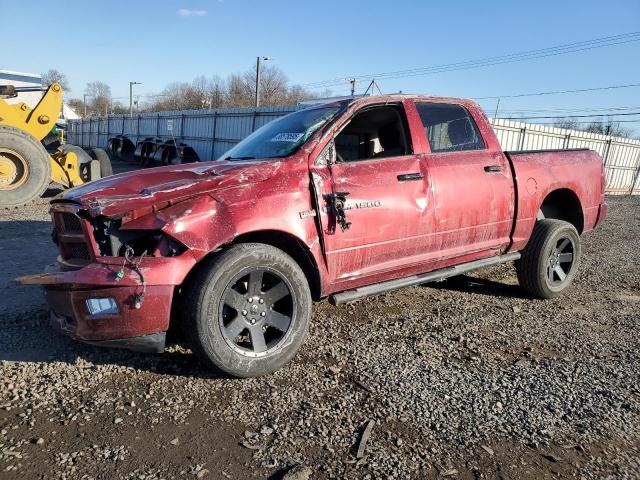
x,y
70,223
70,235
75,251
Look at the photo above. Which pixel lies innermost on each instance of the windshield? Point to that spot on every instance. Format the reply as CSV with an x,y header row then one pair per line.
x,y
283,136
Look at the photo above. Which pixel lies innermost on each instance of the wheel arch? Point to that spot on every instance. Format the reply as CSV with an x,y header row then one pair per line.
x,y
287,242
292,246
563,204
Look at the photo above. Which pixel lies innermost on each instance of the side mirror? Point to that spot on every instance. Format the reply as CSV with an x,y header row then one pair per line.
x,y
327,156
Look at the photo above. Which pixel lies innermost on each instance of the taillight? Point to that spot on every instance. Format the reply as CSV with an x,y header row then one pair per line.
x,y
602,180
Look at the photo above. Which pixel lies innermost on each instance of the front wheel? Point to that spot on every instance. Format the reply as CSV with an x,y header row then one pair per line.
x,y
249,310
550,260
25,168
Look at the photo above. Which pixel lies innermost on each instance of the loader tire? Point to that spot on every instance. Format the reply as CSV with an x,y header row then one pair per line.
x,y
550,260
105,161
25,168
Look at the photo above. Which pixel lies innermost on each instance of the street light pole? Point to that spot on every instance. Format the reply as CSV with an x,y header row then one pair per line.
x,y
258,59
131,84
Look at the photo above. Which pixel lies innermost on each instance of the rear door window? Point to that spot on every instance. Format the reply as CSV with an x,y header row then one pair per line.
x,y
449,127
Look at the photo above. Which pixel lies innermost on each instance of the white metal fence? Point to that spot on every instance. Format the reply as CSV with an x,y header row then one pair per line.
x,y
621,155
213,132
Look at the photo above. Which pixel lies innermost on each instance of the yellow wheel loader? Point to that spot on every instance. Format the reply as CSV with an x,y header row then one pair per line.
x,y
26,167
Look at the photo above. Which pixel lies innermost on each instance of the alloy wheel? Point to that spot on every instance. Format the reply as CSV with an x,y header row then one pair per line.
x,y
256,312
560,261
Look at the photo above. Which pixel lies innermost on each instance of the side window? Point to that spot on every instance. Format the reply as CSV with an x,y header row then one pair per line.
x,y
375,132
449,128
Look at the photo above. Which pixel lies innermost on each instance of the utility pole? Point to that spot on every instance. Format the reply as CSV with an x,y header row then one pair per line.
x,y
84,102
131,84
258,59
352,81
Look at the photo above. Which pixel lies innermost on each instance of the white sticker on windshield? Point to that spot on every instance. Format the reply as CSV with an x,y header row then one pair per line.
x,y
287,137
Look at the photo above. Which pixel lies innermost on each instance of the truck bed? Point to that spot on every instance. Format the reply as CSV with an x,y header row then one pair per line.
x,y
539,172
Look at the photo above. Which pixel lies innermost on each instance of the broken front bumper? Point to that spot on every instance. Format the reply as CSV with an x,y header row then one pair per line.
x,y
138,324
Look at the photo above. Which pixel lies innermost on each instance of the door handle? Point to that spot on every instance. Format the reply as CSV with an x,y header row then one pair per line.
x,y
492,168
407,177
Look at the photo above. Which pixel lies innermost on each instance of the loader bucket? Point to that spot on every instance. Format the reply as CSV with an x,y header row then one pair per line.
x,y
145,149
187,154
126,149
162,153
113,144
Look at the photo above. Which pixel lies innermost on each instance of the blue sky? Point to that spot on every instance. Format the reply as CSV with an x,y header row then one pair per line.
x,y
157,42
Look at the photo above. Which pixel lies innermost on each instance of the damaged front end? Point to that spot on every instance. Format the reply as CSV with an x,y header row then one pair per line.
x,y
114,279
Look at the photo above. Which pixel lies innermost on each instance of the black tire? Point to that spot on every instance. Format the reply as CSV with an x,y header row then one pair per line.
x,y
550,260
102,156
212,323
25,154
84,160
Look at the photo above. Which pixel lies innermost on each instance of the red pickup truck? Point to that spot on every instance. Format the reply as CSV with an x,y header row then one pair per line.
x,y
341,200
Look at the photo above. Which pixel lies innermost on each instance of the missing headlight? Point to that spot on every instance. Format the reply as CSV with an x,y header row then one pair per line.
x,y
112,240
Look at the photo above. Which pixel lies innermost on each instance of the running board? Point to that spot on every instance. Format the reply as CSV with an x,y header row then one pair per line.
x,y
384,287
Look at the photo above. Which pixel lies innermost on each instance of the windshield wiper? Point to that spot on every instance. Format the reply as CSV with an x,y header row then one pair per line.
x,y
240,158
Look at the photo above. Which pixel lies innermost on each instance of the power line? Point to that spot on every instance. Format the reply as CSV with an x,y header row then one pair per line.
x,y
526,111
490,61
604,122
559,92
571,116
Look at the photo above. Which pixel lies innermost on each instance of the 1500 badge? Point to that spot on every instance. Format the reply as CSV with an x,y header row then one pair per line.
x,y
366,204
348,206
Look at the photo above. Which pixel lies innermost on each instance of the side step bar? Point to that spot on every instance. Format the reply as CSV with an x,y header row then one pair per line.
x,y
383,287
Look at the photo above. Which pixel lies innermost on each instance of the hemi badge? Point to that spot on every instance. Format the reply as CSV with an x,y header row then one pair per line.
x,y
307,213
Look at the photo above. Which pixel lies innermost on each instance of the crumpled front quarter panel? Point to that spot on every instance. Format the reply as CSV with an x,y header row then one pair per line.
x,y
206,222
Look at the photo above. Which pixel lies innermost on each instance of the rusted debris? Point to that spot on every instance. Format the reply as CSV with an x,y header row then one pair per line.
x,y
551,457
365,437
363,385
250,446
489,450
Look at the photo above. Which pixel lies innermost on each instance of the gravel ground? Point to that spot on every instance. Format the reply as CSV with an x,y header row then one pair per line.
x,y
468,378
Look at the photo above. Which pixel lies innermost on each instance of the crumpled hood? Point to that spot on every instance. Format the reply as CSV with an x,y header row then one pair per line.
x,y
128,191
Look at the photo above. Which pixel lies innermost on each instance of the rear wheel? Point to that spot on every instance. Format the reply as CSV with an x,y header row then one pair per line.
x,y
25,169
84,160
249,310
550,260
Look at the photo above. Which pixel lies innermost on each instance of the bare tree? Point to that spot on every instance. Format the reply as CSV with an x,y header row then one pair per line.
x,y
237,90
99,98
118,108
217,92
76,105
55,76
604,128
